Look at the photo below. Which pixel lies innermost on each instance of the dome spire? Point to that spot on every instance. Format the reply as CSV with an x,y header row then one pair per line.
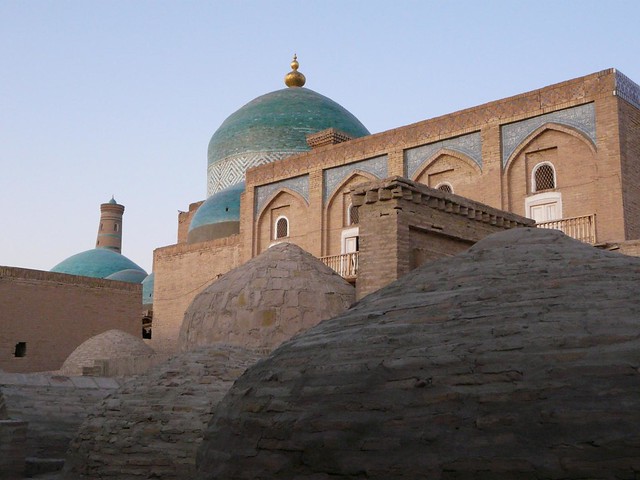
x,y
294,78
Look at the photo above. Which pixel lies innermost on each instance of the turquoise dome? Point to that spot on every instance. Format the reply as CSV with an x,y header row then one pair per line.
x,y
279,121
147,289
98,263
218,216
271,127
130,275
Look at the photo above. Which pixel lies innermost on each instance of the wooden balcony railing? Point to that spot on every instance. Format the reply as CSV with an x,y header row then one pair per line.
x,y
581,228
345,265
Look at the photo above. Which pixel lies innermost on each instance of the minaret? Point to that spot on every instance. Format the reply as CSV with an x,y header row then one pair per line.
x,y
110,228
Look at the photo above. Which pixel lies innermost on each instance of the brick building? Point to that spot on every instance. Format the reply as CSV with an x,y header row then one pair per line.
x,y
44,316
566,156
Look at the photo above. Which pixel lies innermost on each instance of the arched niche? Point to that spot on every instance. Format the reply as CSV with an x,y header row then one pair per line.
x,y
286,204
337,216
572,156
450,167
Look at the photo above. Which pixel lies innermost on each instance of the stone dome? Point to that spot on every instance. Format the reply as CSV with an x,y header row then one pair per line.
x,y
109,344
152,426
516,359
218,216
281,292
130,275
272,127
3,408
97,262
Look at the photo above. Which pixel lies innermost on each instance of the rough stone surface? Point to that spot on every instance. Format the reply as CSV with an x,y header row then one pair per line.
x,y
153,425
109,344
54,407
277,294
517,359
3,407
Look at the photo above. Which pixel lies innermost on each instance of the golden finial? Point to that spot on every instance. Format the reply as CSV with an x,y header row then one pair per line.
x,y
294,78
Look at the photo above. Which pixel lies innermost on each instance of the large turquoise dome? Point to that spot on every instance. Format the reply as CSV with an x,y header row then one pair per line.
x,y
272,127
97,262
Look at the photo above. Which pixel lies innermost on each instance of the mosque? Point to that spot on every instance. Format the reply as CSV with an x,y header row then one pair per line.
x,y
307,212
287,166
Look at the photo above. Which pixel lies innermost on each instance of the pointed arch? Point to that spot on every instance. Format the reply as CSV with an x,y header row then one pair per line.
x,y
428,162
337,212
346,181
564,158
541,130
283,203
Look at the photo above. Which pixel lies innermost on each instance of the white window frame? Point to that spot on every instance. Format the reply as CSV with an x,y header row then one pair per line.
x,y
349,207
275,227
347,233
533,176
542,198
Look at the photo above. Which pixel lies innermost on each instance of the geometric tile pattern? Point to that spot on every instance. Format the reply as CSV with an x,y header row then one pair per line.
x,y
231,170
265,192
469,145
627,89
582,118
332,177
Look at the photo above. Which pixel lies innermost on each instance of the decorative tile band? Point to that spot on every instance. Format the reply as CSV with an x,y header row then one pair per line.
x,y
265,192
332,177
627,89
582,117
231,170
469,145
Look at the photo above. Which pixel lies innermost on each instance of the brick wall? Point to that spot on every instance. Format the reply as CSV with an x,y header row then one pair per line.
x,y
53,313
629,118
588,174
181,272
54,407
184,221
404,224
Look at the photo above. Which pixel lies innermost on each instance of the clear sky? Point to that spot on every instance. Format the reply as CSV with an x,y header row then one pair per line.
x,y
121,97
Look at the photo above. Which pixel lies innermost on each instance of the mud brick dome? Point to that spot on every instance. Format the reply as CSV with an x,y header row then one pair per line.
x,y
110,344
516,359
3,407
151,427
266,301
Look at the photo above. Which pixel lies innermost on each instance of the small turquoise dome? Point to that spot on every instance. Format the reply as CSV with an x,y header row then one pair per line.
x,y
98,263
218,216
271,127
130,275
147,290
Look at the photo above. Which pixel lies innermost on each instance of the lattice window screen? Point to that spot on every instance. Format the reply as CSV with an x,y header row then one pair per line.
x,y
282,228
544,178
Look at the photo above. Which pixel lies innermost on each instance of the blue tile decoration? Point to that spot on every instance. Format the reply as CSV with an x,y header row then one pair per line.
x,y
627,89
332,177
265,192
582,118
231,170
469,145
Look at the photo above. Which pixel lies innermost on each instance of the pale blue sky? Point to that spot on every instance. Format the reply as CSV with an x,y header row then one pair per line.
x,y
121,97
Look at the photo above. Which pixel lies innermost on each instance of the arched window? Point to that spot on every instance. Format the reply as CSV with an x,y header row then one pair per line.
x,y
353,217
115,227
282,228
445,187
544,177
